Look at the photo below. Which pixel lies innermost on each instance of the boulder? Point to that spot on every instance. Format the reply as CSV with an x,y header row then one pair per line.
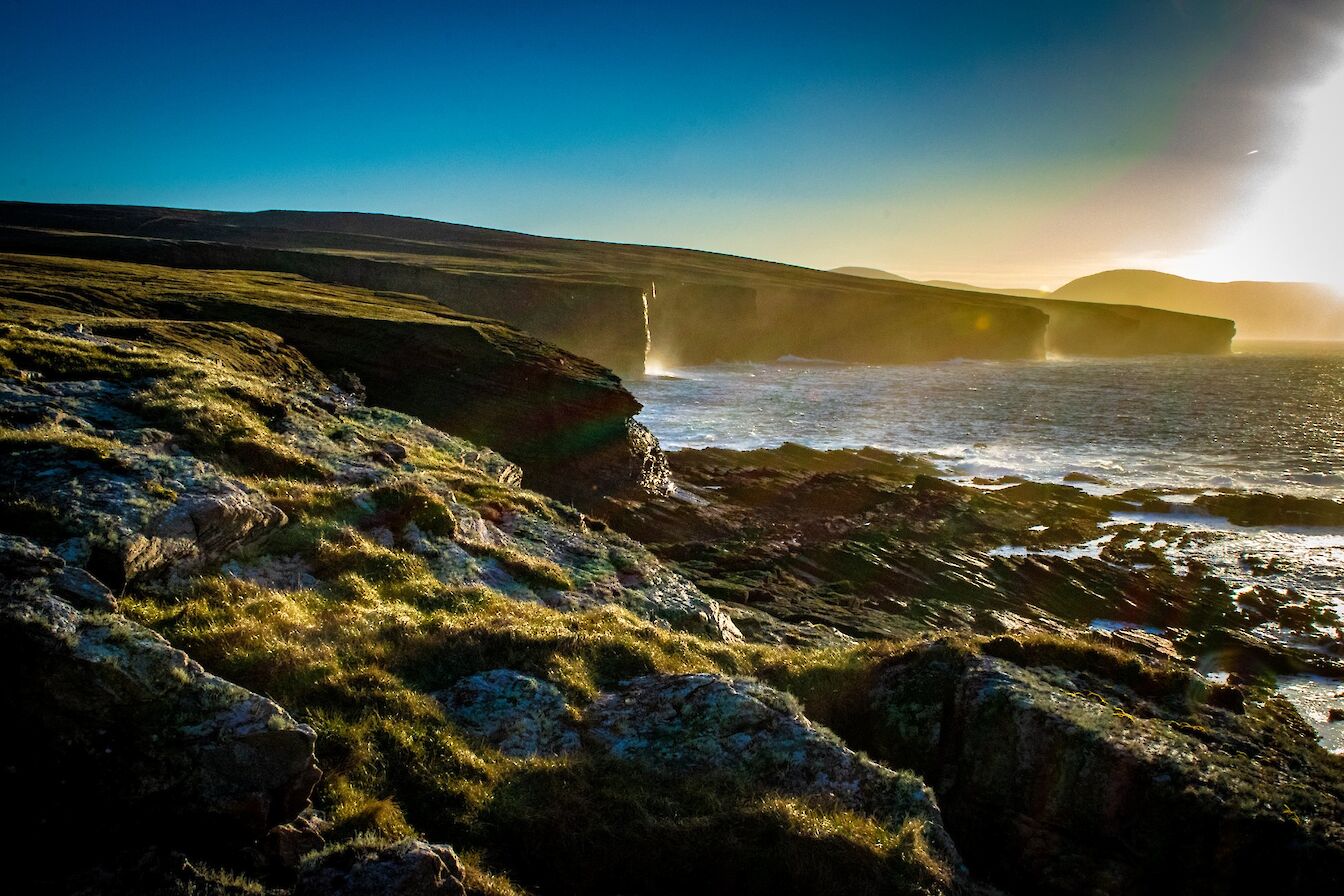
x,y
516,713
704,722
28,566
1072,771
116,730
285,845
406,868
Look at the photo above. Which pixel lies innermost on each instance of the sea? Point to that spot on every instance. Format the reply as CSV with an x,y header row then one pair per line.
x,y
1269,417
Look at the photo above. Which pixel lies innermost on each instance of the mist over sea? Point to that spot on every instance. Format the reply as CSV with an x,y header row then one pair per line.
x,y
1269,417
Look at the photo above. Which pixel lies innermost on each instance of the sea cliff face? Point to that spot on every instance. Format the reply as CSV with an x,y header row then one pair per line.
x,y
1080,328
613,303
705,322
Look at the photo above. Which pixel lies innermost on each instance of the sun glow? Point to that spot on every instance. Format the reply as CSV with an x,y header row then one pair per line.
x,y
1293,229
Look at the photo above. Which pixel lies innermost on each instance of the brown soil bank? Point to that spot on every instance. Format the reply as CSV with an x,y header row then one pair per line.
x,y
591,298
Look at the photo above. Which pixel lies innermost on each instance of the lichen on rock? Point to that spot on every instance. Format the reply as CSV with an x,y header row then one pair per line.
x,y
128,733
702,722
518,714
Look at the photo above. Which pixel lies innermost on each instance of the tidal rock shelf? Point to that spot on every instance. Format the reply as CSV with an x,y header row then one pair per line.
x,y
808,546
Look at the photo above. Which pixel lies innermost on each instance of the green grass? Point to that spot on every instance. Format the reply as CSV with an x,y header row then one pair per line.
x,y
357,654
1148,678
68,443
356,658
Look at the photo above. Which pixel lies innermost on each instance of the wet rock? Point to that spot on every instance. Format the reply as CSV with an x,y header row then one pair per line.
x,y
1260,509
122,732
406,868
876,548
518,714
1228,697
762,628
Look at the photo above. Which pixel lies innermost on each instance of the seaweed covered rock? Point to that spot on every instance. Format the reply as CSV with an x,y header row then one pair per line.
x,y
518,714
1077,768
116,729
405,868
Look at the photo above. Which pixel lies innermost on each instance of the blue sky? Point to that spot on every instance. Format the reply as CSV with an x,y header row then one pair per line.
x,y
926,138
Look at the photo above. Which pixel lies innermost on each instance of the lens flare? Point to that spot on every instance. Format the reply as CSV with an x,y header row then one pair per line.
x,y
1293,229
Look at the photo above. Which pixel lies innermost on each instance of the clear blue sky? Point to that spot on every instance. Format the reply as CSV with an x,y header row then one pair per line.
x,y
919,137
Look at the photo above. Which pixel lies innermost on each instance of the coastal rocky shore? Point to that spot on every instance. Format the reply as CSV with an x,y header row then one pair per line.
x,y
804,545
308,589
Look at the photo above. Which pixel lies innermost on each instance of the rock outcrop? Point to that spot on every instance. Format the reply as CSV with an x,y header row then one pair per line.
x,y
565,420
28,566
114,489
518,714
405,868
705,723
1068,769
803,546
115,729
130,508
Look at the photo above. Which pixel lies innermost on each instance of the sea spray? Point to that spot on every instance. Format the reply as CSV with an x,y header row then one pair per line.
x,y
648,333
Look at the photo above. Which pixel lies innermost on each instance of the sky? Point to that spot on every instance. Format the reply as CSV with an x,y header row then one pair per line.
x,y
1006,144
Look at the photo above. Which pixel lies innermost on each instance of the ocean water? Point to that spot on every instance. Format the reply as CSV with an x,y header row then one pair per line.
x,y
1269,417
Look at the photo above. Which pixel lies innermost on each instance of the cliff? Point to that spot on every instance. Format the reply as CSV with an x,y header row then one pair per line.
x,y
567,421
699,323
1082,328
1261,310
593,299
1140,323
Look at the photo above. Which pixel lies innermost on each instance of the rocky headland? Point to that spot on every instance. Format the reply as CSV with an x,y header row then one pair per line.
x,y
314,589
621,305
